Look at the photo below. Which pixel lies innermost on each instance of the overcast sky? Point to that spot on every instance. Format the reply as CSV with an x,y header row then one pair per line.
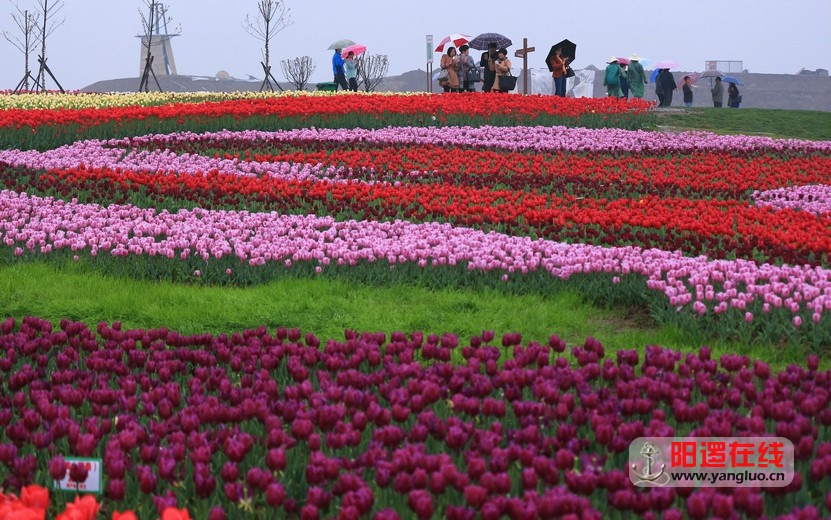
x,y
98,37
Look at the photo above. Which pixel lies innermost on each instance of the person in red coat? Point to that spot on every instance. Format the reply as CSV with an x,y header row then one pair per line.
x,y
558,64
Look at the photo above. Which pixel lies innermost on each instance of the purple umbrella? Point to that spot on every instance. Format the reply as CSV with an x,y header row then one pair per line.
x,y
480,43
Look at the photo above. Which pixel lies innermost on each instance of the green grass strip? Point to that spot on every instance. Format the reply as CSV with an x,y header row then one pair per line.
x,y
326,307
783,124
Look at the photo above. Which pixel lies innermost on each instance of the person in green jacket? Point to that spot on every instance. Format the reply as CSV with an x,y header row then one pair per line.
x,y
636,76
611,78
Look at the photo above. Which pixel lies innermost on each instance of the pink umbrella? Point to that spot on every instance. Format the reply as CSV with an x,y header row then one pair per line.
x,y
454,40
667,64
623,61
694,76
356,48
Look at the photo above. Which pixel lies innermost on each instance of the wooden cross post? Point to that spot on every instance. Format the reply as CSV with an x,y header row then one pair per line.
x,y
523,53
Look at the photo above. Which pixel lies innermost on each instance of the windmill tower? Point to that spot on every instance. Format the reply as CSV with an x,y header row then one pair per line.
x,y
156,41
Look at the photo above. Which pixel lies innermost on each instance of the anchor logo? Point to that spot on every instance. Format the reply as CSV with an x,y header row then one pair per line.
x,y
649,452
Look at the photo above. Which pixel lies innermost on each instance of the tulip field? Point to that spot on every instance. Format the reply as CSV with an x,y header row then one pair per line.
x,y
725,236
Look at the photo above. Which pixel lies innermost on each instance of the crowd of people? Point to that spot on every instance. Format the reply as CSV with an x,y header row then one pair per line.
x,y
619,79
459,72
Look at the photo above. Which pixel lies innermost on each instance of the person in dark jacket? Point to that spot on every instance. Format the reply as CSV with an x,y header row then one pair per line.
x,y
487,64
718,93
667,86
688,93
734,98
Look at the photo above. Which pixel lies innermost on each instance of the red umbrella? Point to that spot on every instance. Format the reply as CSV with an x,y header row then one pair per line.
x,y
454,40
623,61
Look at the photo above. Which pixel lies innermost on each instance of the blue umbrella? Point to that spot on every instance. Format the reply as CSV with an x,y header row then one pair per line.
x,y
654,75
731,79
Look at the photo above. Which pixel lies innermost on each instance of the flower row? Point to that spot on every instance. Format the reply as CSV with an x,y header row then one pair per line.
x,y
43,225
33,504
707,174
77,100
302,106
716,228
516,138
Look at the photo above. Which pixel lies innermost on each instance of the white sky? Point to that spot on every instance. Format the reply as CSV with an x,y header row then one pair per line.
x,y
98,38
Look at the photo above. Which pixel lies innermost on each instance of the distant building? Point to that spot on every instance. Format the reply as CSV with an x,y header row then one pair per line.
x,y
807,72
725,65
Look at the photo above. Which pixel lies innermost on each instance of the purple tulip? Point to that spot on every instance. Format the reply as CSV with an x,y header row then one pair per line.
x,y
386,514
698,505
147,479
275,494
165,501
421,503
116,489
78,472
204,481
57,467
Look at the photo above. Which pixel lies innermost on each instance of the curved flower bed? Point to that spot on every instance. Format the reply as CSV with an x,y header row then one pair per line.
x,y
520,138
49,128
44,225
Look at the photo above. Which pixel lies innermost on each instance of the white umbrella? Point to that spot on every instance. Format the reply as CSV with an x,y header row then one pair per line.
x,y
454,40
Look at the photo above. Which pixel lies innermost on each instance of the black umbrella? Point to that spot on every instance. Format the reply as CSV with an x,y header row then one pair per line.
x,y
568,50
480,43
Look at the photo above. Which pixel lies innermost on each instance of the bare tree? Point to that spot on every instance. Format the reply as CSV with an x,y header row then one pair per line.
x,y
25,42
152,24
273,16
298,71
46,22
372,70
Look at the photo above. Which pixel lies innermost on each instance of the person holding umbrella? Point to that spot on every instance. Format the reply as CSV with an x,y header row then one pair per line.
x,y
718,93
636,76
558,72
666,83
450,63
734,98
350,67
487,64
337,69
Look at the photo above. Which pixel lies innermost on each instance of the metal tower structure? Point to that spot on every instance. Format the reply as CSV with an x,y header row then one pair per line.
x,y
158,44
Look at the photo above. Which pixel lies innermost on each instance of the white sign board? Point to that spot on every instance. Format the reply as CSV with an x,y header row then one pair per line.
x,y
91,485
429,48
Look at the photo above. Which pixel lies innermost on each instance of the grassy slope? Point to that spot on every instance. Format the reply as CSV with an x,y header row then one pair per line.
x,y
793,124
327,307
